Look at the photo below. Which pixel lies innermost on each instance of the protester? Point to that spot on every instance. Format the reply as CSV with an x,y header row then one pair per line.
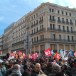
x,y
37,70
48,64
16,71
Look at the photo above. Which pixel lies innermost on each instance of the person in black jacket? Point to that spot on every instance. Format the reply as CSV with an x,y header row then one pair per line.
x,y
27,71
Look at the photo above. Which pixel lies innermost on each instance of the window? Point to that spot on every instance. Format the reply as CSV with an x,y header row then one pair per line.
x,y
50,26
71,21
62,19
71,29
67,29
59,37
69,14
37,38
53,18
72,38
54,36
37,29
68,38
50,17
41,37
53,26
34,30
63,28
58,11
66,13
34,16
36,21
52,10
59,27
67,22
62,12
32,39
42,26
58,18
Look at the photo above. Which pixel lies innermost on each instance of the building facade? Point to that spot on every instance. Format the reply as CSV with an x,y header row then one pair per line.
x,y
53,26
49,25
1,44
7,38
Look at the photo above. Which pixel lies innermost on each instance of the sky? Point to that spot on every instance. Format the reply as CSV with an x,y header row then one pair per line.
x,y
12,10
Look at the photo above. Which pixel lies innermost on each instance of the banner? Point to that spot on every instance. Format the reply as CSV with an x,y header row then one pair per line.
x,y
48,52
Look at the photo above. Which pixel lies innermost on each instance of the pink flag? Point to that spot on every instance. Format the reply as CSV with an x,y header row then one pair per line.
x,y
75,54
34,56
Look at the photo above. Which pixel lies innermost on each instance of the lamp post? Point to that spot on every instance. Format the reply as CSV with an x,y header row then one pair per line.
x,y
27,43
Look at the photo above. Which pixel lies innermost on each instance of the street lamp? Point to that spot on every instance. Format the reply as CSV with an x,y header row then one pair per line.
x,y
27,43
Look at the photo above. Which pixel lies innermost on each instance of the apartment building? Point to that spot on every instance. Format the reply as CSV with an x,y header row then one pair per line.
x,y
49,25
1,44
53,26
7,38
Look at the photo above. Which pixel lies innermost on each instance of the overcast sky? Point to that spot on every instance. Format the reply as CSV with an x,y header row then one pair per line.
x,y
12,10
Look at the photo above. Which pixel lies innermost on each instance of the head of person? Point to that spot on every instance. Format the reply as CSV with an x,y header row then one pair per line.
x,y
37,67
16,67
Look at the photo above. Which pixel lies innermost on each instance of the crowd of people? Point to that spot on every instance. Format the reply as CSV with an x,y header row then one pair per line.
x,y
42,66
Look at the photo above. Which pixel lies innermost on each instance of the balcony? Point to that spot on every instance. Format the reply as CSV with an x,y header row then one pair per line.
x,y
32,26
17,43
63,40
49,40
39,41
41,21
59,21
50,29
39,31
71,23
36,23
64,30
52,20
60,30
63,22
67,22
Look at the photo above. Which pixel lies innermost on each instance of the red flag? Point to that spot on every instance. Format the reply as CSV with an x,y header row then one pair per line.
x,y
57,56
48,52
